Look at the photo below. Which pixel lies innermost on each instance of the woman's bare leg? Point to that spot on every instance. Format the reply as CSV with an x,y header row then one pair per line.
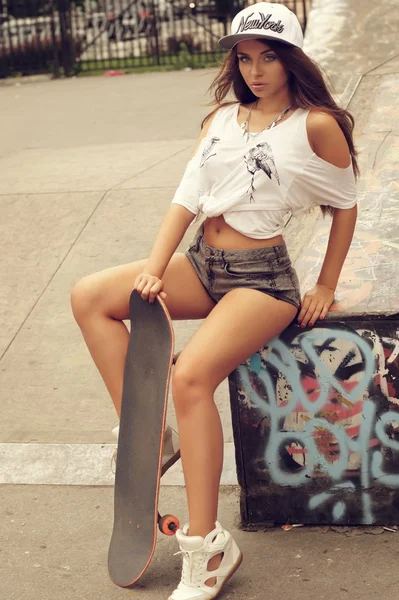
x,y
100,303
241,323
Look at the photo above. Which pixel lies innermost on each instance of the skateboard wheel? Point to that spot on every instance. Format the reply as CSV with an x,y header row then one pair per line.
x,y
168,524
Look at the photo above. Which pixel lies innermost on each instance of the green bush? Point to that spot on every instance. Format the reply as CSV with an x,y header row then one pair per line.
x,y
37,57
184,59
174,44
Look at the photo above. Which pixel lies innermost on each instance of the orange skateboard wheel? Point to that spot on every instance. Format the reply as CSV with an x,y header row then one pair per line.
x,y
168,524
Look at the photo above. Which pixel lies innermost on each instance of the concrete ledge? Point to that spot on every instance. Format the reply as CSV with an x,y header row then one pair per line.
x,y
80,464
316,423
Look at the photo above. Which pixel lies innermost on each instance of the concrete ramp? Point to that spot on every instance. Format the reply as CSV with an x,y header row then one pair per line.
x,y
369,284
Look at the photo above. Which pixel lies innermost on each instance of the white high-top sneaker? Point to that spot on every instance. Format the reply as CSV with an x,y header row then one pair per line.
x,y
197,552
171,448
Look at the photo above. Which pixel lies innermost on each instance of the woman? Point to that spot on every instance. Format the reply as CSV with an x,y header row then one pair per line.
x,y
284,145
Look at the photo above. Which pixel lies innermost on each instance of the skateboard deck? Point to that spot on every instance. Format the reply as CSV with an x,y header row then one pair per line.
x,y
142,424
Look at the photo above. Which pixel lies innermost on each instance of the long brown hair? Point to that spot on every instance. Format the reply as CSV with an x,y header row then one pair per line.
x,y
307,86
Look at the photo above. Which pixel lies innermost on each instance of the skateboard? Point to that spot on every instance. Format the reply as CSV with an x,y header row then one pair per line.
x,y
148,366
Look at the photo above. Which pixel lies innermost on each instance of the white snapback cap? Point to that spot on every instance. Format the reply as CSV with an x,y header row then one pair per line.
x,y
266,20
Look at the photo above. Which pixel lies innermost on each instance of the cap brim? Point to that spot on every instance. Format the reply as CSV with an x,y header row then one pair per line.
x,y
229,41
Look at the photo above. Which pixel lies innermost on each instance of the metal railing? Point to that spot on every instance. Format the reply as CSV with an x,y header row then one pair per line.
x,y
63,37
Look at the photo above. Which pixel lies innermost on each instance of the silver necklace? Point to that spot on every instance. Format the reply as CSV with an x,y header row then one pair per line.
x,y
245,125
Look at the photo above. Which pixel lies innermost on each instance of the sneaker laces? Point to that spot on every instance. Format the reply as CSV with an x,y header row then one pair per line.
x,y
191,566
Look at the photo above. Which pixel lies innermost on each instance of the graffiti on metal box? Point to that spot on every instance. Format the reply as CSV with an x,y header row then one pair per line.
x,y
327,403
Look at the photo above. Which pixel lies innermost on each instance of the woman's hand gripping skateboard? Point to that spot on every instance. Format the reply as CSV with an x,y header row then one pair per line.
x,y
149,287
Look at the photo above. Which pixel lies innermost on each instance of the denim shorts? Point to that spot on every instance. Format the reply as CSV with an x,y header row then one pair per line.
x,y
268,270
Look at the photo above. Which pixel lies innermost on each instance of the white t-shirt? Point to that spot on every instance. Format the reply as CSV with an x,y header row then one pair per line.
x,y
255,183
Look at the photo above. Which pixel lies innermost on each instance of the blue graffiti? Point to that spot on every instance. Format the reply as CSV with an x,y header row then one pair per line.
x,y
339,507
281,358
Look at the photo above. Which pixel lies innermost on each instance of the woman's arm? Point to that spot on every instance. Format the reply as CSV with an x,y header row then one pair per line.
x,y
328,142
149,283
171,232
341,234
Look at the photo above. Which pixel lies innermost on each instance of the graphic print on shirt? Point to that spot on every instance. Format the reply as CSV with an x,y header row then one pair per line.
x,y
257,159
209,148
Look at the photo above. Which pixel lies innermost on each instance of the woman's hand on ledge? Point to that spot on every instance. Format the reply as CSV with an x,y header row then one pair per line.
x,y
315,304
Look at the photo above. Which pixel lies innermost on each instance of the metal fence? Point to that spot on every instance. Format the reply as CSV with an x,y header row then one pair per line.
x,y
64,37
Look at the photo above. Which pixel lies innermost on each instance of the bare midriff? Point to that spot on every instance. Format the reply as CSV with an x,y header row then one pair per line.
x,y
218,234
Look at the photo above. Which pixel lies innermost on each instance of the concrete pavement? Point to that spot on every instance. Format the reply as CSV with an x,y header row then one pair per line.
x,y
88,169
54,545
